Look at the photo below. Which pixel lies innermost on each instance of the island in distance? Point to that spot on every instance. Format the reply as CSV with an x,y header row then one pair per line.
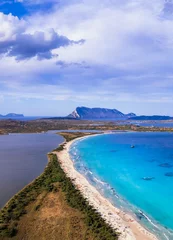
x,y
106,113
99,113
11,115
86,113
151,118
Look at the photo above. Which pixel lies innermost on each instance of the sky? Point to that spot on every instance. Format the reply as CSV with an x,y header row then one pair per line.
x,y
60,54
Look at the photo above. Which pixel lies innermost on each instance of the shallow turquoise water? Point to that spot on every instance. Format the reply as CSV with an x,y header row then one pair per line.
x,y
121,172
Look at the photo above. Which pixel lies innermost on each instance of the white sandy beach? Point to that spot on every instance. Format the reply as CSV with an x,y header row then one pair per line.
x,y
129,228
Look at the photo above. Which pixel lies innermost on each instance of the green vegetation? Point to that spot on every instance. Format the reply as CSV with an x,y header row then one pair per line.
x,y
43,125
47,182
15,208
69,136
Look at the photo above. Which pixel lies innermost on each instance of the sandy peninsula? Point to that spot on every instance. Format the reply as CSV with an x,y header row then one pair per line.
x,y
129,228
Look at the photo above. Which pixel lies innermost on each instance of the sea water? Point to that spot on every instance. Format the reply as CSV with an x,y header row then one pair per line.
x,y
135,171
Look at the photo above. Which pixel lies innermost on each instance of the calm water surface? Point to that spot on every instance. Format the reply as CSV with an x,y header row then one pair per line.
x,y
23,157
138,180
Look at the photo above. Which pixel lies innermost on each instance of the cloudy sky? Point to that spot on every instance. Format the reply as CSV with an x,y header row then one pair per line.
x,y
59,54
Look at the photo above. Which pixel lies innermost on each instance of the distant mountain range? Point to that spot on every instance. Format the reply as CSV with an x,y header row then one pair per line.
x,y
105,113
11,115
98,113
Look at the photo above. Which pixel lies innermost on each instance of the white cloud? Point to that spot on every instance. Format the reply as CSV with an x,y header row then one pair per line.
x,y
128,51
10,25
124,34
14,41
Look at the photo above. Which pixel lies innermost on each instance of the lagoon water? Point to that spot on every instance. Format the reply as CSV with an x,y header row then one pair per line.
x,y
138,180
23,157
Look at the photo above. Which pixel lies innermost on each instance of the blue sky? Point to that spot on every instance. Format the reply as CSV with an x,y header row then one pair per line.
x,y
57,55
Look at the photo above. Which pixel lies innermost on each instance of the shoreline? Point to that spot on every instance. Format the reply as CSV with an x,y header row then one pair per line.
x,y
26,186
129,228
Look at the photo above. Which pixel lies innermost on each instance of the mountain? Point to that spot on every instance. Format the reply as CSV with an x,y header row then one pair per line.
x,y
11,115
98,113
130,115
154,117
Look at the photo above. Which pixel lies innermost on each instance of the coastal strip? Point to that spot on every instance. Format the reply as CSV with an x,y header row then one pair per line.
x,y
99,217
27,209
122,222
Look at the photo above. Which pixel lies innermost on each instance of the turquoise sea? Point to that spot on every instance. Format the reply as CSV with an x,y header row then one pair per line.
x,y
135,171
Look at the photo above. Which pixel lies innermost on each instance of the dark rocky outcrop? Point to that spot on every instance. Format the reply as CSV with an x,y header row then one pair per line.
x,y
165,165
169,174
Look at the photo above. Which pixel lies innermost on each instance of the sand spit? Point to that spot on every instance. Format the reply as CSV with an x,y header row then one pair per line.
x,y
129,228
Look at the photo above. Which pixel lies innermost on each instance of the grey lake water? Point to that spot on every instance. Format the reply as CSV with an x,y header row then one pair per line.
x,y
23,157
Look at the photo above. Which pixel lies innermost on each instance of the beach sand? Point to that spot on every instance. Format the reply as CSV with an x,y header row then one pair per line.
x,y
129,228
